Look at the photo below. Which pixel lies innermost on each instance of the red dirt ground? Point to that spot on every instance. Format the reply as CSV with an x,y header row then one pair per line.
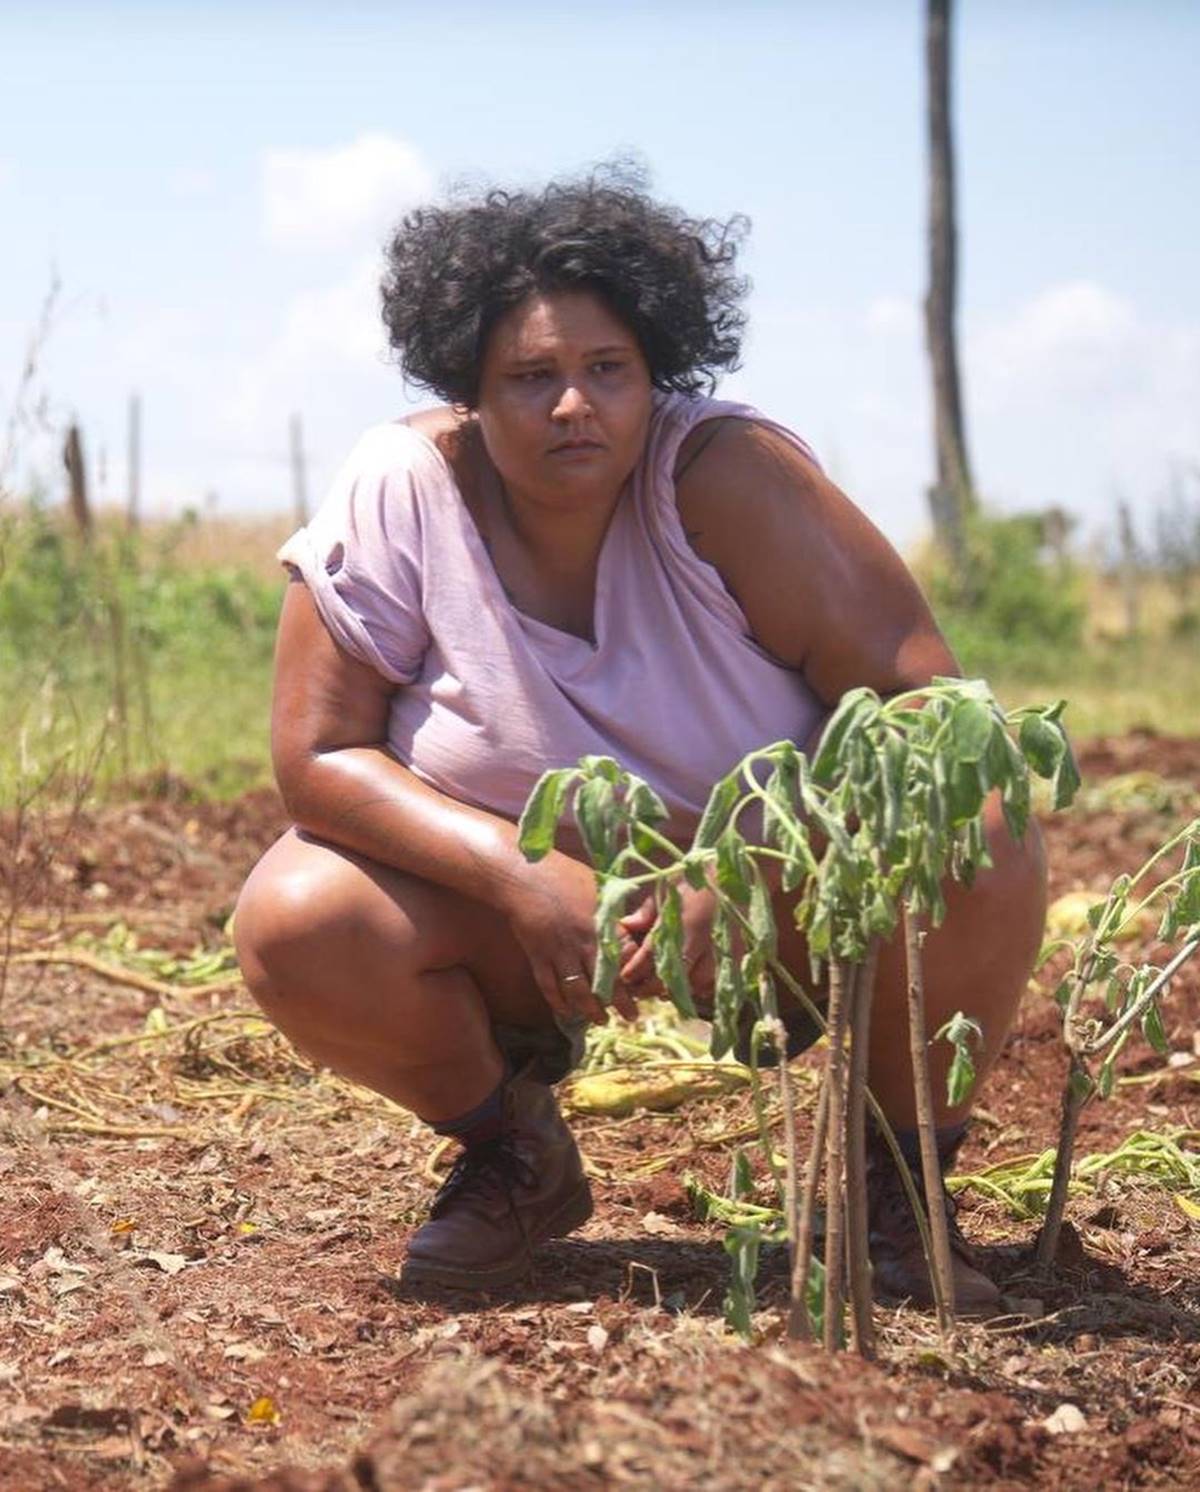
x,y
239,1247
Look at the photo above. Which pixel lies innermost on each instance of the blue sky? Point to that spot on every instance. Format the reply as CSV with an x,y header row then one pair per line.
x,y
212,183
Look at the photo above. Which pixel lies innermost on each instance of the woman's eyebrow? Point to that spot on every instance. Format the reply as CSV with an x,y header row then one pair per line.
x,y
535,358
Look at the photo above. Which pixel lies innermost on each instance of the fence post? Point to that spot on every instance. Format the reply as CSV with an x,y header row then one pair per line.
x,y
77,478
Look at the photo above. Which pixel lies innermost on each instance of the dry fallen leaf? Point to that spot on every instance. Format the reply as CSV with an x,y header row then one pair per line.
x,y
1067,1419
168,1263
154,1357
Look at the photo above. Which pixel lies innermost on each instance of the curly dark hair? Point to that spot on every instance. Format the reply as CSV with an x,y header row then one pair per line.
x,y
453,270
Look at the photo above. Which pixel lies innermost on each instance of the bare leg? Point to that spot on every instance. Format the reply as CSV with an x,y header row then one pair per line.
x,y
388,979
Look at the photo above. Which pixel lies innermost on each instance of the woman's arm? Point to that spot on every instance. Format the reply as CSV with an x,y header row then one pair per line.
x,y
822,589
339,782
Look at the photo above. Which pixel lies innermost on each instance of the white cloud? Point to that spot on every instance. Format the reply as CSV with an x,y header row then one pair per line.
x,y
334,196
889,315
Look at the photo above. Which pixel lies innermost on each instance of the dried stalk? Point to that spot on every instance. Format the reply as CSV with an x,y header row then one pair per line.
x,y
835,1156
940,1266
799,1327
1075,1095
858,1228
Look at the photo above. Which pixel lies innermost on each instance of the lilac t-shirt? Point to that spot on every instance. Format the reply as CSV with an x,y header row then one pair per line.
x,y
674,687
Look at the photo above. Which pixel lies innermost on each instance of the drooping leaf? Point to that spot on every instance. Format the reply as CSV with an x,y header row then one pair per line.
x,y
742,1246
598,819
1152,1030
856,707
721,803
970,729
540,816
667,939
1041,744
733,866
610,905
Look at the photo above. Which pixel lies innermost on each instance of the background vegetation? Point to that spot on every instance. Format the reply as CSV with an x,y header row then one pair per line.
x,y
149,652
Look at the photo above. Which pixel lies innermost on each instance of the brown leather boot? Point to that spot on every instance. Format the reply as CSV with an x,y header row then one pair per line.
x,y
897,1257
502,1198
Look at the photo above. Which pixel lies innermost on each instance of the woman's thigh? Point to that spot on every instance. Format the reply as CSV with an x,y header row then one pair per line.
x,y
313,915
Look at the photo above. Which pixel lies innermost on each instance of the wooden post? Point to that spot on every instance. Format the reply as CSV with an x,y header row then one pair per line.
x,y
77,480
952,496
299,474
134,513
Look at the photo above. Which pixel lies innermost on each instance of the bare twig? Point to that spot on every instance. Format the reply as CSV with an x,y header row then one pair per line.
x,y
835,1157
941,1268
799,1322
858,1230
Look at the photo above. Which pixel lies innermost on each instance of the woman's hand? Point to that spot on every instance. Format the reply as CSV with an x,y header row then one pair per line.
x,y
638,973
552,906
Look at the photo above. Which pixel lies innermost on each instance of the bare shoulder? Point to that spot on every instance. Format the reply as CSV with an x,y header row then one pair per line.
x,y
442,424
821,587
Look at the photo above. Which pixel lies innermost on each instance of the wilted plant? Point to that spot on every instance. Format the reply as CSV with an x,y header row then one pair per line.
x,y
1104,999
864,836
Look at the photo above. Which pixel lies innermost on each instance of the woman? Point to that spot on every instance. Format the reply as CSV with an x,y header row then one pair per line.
x,y
578,552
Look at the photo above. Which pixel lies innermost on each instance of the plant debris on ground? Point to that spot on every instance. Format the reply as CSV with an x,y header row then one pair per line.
x,y
200,1235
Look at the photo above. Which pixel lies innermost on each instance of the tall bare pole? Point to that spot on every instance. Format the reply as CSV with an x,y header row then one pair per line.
x,y
299,473
134,513
77,483
952,497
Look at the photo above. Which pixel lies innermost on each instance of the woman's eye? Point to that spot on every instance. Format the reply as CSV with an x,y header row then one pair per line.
x,y
606,367
533,375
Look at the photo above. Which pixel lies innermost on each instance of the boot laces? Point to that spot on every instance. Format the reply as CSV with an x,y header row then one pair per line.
x,y
494,1166
892,1214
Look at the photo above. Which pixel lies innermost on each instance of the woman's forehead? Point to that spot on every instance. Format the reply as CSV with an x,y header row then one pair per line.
x,y
552,319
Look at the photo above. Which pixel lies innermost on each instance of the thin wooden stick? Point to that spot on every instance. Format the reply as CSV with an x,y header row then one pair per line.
x,y
119,975
940,1265
1075,1095
858,1227
788,1105
835,1158
800,1327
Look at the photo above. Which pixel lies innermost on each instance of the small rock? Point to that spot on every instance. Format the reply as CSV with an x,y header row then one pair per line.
x,y
597,1338
1067,1419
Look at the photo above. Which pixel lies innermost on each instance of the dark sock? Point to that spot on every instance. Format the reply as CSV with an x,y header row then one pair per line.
x,y
948,1141
478,1125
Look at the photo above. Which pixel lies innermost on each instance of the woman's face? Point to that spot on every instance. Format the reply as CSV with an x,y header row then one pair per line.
x,y
564,399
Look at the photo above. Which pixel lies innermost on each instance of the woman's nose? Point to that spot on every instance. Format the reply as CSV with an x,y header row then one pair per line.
x,y
572,404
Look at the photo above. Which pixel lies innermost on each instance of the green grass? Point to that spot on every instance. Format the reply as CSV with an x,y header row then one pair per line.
x,y
148,661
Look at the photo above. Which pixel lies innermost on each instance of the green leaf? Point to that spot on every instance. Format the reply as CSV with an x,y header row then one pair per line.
x,y
598,818
960,1031
970,730
667,939
1041,744
964,793
733,866
540,816
1152,1030
721,803
761,914
695,870
1066,778
610,905
855,709
729,993
741,1178
601,766
742,1246
643,803
1105,1079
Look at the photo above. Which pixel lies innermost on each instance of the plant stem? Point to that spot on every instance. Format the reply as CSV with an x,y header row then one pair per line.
x,y
1138,1009
835,1157
940,1266
799,1327
1075,1095
787,1103
858,1228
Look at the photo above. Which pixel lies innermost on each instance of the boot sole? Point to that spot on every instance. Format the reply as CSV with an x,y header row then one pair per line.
x,y
573,1213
